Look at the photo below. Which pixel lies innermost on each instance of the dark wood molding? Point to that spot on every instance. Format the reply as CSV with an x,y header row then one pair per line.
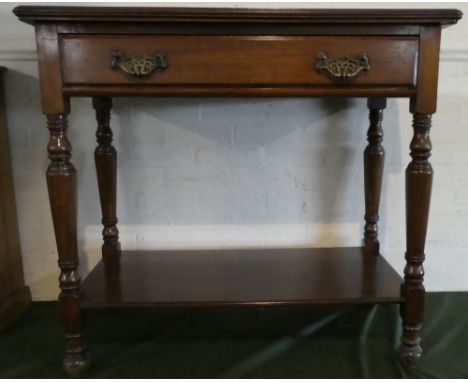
x,y
235,91
34,14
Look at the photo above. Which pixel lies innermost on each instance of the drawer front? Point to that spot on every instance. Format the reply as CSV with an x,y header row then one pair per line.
x,y
239,60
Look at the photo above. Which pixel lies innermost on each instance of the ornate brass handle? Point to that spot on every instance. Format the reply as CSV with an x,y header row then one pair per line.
x,y
138,66
342,68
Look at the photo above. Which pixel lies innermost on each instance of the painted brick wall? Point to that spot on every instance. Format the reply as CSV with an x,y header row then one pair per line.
x,y
217,173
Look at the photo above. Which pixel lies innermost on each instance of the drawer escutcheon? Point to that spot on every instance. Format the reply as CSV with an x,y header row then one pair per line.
x,y
343,67
138,66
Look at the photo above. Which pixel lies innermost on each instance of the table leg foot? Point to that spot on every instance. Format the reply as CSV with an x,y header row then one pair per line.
x,y
76,365
410,355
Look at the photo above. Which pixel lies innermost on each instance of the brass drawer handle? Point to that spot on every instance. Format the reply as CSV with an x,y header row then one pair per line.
x,y
343,67
138,66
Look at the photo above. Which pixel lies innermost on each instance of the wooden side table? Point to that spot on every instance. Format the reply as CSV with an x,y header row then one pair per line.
x,y
109,52
14,295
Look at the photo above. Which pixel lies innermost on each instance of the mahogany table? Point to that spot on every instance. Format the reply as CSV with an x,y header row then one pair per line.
x,y
108,52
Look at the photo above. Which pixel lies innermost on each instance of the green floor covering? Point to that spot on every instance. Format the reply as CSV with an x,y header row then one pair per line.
x,y
266,342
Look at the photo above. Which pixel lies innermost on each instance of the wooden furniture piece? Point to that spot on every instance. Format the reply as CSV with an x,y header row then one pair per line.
x,y
109,52
14,295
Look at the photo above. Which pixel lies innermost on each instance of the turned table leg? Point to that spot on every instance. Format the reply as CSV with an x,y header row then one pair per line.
x,y
374,156
61,182
418,195
105,157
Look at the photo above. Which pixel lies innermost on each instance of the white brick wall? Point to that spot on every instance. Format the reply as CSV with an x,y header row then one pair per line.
x,y
198,173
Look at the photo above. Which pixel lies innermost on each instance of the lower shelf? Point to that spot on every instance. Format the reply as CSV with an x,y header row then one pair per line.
x,y
242,277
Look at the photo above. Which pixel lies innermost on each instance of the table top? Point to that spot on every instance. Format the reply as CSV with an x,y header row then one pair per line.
x,y
33,14
331,52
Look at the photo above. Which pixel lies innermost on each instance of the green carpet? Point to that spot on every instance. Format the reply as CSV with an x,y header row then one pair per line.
x,y
267,342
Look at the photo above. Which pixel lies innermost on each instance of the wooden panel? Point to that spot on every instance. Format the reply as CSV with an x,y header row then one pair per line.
x,y
239,60
50,79
428,71
251,277
10,256
14,296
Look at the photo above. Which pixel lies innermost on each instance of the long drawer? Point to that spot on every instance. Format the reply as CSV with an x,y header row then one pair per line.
x,y
239,60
